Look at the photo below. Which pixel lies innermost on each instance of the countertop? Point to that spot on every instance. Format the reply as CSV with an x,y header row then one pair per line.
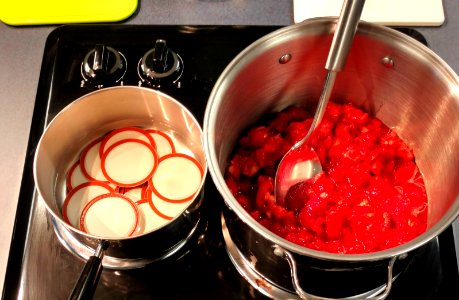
x,y
21,51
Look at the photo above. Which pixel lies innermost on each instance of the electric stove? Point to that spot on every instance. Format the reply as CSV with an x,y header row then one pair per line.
x,y
184,62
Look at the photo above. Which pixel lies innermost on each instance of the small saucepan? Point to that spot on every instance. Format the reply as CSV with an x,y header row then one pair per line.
x,y
96,115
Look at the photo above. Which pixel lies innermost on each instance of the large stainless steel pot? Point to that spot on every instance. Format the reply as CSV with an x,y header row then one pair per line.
x,y
92,116
388,74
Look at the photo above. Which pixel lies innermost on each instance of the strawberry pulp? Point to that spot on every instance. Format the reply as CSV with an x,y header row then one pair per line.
x,y
370,196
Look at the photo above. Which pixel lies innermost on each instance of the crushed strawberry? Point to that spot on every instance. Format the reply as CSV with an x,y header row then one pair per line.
x,y
297,196
370,197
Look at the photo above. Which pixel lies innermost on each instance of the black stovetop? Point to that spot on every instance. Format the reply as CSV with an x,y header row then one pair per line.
x,y
39,267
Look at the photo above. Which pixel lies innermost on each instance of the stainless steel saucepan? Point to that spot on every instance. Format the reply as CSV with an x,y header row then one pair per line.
x,y
388,74
92,116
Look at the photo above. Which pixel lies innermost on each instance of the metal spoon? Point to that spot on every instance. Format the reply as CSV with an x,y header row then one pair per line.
x,y
299,165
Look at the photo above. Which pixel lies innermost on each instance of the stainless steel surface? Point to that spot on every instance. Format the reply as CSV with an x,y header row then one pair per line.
x,y
246,267
345,30
92,116
424,115
83,251
379,294
21,50
100,251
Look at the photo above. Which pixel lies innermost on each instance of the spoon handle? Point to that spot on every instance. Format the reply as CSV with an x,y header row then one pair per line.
x,y
344,34
337,55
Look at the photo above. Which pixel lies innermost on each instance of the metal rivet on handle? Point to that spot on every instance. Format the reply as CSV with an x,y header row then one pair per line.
x,y
387,61
285,58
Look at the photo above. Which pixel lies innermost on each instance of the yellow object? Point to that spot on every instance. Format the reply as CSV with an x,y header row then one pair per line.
x,y
41,12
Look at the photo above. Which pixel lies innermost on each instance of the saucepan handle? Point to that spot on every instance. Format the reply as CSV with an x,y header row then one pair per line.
x,y
278,251
89,277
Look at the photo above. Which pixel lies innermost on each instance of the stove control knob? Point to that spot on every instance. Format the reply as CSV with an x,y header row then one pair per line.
x,y
103,65
160,65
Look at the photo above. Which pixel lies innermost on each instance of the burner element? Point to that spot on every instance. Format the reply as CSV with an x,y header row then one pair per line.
x,y
103,66
160,65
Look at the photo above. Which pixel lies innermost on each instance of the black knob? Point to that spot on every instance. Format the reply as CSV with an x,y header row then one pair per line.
x,y
160,65
159,57
103,65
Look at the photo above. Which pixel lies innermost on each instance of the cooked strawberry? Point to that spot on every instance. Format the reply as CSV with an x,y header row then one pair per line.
x,y
297,196
297,130
257,136
370,197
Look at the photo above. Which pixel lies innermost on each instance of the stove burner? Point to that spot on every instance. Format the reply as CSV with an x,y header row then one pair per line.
x,y
207,265
83,251
263,284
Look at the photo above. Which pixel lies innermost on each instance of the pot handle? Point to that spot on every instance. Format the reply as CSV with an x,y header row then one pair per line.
x,y
278,251
89,277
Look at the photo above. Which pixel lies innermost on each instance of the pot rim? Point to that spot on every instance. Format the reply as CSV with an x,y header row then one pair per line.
x,y
85,97
251,52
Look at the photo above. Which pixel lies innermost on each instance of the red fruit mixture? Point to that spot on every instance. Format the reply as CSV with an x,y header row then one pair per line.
x,y
370,197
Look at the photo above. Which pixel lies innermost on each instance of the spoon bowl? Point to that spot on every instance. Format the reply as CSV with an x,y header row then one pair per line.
x,y
299,164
